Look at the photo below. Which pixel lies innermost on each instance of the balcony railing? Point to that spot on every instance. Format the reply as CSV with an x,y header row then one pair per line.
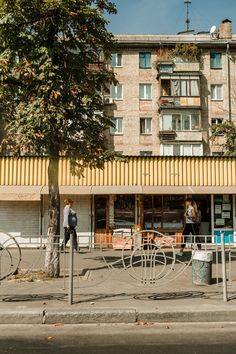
x,y
170,101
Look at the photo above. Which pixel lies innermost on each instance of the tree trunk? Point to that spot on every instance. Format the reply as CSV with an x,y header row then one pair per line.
x,y
52,259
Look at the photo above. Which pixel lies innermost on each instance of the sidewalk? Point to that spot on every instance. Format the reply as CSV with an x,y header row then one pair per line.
x,y
103,295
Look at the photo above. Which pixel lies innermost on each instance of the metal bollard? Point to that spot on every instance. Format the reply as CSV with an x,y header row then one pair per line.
x,y
225,296
71,270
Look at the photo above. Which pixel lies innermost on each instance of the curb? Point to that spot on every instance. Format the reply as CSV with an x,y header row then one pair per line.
x,y
107,315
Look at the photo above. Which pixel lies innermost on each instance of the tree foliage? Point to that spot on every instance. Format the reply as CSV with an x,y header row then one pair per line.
x,y
52,74
186,51
228,131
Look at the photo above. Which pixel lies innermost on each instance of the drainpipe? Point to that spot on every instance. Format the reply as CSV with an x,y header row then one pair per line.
x,y
229,82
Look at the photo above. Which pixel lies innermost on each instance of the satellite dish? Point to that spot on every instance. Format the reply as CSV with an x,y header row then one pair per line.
x,y
213,29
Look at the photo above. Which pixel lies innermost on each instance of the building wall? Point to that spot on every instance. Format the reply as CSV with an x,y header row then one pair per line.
x,y
131,108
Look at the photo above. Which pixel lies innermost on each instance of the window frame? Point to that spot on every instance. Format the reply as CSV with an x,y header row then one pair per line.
x,y
145,91
145,119
215,91
114,130
182,82
116,91
213,60
181,117
145,60
181,147
116,55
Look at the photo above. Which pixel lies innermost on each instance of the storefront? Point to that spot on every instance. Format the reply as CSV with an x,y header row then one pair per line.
x,y
163,213
144,192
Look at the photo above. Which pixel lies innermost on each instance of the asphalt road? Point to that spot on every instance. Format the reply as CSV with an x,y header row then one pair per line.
x,y
141,338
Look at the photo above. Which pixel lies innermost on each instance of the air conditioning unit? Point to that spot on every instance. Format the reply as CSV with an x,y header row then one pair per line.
x,y
108,100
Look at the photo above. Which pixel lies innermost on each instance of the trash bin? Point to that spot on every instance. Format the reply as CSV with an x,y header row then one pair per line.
x,y
202,267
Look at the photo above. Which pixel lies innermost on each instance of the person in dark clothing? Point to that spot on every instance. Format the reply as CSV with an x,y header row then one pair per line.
x,y
190,224
69,225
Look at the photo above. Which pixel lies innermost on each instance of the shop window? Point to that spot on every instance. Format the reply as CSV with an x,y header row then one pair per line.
x,y
116,60
145,91
124,207
163,212
223,211
216,60
145,60
100,212
152,212
173,212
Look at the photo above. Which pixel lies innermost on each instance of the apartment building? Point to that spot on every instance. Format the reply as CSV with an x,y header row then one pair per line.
x,y
171,90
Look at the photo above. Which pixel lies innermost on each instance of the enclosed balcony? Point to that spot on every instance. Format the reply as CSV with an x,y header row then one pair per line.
x,y
179,90
184,125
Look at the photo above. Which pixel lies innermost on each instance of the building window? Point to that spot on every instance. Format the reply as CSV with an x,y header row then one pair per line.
x,y
181,122
215,121
116,92
118,126
145,153
216,61
217,153
181,150
116,60
145,125
180,87
145,91
145,60
216,92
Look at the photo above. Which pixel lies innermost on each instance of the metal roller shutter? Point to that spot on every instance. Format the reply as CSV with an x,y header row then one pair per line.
x,y
20,217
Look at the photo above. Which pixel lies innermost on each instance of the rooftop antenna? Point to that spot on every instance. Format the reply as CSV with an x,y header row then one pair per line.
x,y
187,3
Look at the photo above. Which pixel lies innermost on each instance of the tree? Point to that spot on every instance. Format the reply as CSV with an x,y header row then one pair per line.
x,y
52,76
228,131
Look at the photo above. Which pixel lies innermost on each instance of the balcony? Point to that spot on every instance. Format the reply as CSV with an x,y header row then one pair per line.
x,y
186,67
167,135
193,135
187,136
171,102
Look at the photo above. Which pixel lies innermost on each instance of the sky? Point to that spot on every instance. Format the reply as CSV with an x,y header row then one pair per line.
x,y
168,16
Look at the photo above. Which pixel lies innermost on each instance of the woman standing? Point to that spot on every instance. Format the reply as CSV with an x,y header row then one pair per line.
x,y
190,224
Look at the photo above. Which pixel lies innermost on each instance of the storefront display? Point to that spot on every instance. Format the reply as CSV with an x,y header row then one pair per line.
x,y
163,213
223,218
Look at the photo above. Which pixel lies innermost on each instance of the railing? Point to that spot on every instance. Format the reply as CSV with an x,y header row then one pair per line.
x,y
147,257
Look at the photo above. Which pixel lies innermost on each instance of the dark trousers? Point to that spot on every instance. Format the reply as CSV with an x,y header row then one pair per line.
x,y
191,229
67,233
